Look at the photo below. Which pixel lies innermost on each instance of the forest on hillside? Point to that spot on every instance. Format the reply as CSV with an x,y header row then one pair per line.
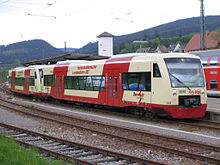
x,y
26,51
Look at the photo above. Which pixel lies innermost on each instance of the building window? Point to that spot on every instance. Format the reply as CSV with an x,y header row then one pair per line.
x,y
136,81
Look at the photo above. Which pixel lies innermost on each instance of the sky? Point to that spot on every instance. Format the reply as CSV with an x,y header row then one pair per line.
x,y
78,22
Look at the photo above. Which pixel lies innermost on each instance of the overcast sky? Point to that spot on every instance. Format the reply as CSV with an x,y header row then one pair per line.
x,y
79,22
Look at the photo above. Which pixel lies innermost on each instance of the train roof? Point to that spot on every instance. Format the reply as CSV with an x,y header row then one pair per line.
x,y
149,56
64,57
206,53
152,55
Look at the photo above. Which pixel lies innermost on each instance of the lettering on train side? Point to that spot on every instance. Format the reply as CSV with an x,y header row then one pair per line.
x,y
87,67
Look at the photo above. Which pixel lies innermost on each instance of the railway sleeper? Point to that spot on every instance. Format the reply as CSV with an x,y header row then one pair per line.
x,y
29,139
105,159
86,153
43,141
92,157
76,151
21,135
55,148
9,132
50,145
119,162
67,150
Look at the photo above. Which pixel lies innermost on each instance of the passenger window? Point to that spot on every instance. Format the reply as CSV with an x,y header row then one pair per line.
x,y
214,60
48,80
204,61
135,81
41,73
213,84
90,83
156,71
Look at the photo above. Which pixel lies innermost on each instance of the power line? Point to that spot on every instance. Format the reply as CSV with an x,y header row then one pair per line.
x,y
126,20
5,2
37,15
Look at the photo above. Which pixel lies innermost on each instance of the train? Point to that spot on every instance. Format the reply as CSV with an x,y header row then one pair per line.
x,y
170,84
211,64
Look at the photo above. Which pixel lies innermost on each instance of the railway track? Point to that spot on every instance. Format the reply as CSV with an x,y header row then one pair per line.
x,y
189,149
204,124
83,154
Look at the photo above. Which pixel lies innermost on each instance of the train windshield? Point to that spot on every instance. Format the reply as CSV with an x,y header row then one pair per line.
x,y
185,72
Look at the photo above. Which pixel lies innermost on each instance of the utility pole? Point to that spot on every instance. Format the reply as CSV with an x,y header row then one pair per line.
x,y
202,26
65,46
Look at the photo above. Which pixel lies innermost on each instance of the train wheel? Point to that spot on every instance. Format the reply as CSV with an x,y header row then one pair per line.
x,y
139,111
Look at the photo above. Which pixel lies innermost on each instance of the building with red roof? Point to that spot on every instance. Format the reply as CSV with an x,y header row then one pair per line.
x,y
211,42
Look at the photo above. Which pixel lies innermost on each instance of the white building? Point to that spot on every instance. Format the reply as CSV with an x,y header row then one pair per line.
x,y
105,44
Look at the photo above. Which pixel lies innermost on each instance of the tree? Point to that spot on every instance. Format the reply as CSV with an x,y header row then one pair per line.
x,y
156,34
17,63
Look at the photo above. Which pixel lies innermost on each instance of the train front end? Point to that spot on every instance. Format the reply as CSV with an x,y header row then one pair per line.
x,y
186,92
188,87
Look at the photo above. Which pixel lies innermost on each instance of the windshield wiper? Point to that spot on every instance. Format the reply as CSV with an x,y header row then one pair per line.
x,y
180,81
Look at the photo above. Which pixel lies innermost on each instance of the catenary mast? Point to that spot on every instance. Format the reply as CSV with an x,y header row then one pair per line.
x,y
202,26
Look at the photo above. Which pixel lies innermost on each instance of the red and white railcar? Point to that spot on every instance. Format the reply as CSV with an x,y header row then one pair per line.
x,y
211,64
171,84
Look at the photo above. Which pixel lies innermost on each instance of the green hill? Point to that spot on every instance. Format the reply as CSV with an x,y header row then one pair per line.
x,y
26,51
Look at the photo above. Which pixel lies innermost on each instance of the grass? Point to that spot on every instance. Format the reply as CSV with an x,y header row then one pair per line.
x,y
11,153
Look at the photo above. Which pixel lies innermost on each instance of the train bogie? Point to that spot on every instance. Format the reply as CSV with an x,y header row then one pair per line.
x,y
170,84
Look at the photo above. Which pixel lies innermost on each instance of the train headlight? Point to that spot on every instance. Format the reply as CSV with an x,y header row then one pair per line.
x,y
174,92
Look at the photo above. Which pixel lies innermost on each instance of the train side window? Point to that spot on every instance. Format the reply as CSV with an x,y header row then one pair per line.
x,y
136,81
204,61
214,60
213,84
48,80
90,83
41,73
71,82
31,81
98,83
156,71
19,81
9,80
82,82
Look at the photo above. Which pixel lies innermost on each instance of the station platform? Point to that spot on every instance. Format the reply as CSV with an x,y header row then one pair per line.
x,y
211,93
213,109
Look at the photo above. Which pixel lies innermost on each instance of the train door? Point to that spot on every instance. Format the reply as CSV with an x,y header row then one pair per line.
x,y
59,86
13,80
27,80
113,93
